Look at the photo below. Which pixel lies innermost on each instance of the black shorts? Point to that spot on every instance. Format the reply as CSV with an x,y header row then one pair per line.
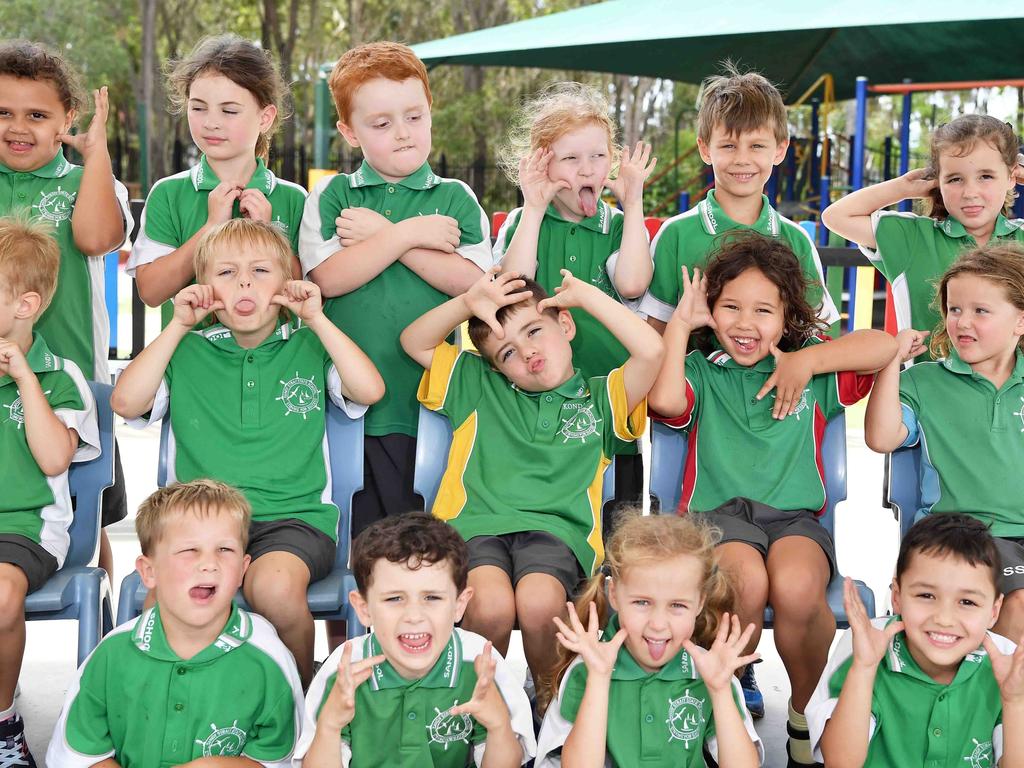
x,y
314,547
760,526
525,552
1011,553
389,462
114,503
37,564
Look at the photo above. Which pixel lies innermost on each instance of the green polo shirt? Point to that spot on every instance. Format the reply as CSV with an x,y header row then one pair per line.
x,y
736,448
75,323
136,701
947,406
255,419
177,208
403,723
33,505
914,251
661,718
691,238
527,461
375,314
916,721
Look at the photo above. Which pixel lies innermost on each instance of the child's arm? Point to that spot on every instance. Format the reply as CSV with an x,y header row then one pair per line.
x,y
538,192
137,385
488,708
51,442
844,742
222,762
360,380
634,267
483,299
884,430
645,347
850,216
585,746
1009,673
97,223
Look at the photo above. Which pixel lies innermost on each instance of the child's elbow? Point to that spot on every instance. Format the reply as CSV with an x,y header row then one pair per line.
x,y
123,405
376,391
632,286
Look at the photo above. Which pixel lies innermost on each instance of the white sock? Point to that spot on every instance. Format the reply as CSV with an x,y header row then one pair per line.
x,y
7,714
800,749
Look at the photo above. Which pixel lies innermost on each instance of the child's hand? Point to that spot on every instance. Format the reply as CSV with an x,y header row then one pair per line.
x,y
634,170
1008,670
692,310
718,664
301,298
486,705
354,225
792,373
538,188
253,205
220,202
869,643
1018,170
12,360
94,141
436,232
598,656
910,344
918,183
193,303
571,293
494,290
340,707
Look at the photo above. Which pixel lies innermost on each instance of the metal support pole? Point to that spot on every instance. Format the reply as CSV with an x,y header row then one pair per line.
x,y
887,158
857,180
684,201
321,121
815,168
905,205
791,169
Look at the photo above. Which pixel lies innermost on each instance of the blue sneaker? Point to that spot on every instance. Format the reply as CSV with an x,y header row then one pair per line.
x,y
751,693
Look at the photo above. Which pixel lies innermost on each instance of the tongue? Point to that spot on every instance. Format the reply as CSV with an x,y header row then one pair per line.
x,y
656,649
245,306
420,642
588,202
201,593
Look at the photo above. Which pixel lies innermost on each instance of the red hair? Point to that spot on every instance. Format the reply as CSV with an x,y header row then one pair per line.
x,y
392,61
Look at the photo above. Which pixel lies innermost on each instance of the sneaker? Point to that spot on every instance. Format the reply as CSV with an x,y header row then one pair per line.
x,y
751,693
13,747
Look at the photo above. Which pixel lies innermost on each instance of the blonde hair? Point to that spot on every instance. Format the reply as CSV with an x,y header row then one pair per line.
x,y
740,102
203,498
641,540
556,110
29,258
1001,263
242,235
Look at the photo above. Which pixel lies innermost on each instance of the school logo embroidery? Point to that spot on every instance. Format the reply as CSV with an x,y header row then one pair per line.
x,y
16,413
603,282
300,396
1020,414
56,206
223,742
802,405
281,226
446,728
685,717
981,757
581,425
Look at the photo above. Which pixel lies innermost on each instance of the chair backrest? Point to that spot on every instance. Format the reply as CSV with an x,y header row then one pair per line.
x,y
903,485
668,457
162,456
87,482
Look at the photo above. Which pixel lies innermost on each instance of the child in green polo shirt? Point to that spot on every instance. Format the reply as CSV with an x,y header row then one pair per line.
x,y
929,686
194,681
652,685
47,421
968,186
965,408
386,244
233,96
754,465
246,398
416,691
742,133
532,438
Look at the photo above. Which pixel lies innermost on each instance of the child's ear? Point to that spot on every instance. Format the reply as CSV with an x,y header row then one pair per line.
x,y
28,305
780,152
894,589
705,153
267,116
347,132
145,568
461,602
357,601
1018,328
69,120
246,562
996,607
613,598
567,324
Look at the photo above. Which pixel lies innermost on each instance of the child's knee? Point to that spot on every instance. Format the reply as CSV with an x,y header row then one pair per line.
x,y
798,599
13,589
278,586
494,611
539,598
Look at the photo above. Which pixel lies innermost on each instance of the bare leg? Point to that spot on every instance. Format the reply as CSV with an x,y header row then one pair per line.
x,y
13,589
275,586
745,567
492,611
539,598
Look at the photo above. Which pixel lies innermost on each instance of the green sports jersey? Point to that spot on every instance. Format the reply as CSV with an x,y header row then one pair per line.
x,y
76,323
32,504
527,461
916,721
736,448
136,701
655,719
947,406
691,238
255,419
375,314
912,252
177,208
403,723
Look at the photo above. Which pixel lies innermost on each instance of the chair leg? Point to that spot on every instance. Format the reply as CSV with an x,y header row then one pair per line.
x,y
90,620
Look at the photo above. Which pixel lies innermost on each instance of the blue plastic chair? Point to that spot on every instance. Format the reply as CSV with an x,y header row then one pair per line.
x,y
903,485
80,591
327,598
668,455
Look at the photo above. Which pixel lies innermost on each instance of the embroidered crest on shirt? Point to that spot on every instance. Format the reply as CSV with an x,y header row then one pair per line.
x,y
802,405
685,717
981,757
279,225
56,206
1020,414
223,742
446,728
580,425
300,396
16,411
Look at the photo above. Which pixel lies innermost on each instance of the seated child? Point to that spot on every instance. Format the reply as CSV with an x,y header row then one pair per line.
x,y
532,440
416,691
965,409
47,420
929,686
194,681
652,685
754,464
246,402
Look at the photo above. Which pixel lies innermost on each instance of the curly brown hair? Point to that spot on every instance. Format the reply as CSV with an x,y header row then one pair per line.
x,y
32,61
